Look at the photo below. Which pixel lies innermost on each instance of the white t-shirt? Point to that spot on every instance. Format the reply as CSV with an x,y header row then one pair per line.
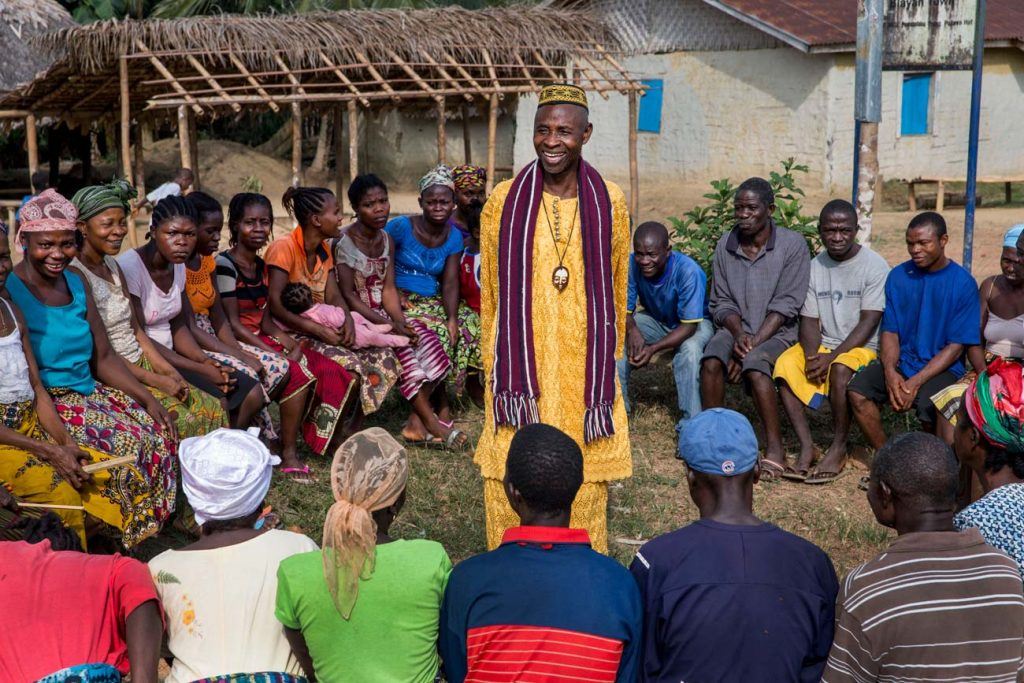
x,y
219,606
171,189
839,290
158,307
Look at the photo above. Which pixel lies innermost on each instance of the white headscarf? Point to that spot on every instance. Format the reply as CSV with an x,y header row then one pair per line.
x,y
225,474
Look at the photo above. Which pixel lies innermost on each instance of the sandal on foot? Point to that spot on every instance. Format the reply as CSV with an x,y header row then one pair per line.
x,y
793,474
456,440
822,478
299,475
431,442
771,470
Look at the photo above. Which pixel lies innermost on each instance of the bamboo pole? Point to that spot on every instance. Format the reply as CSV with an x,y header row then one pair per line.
x,y
442,136
126,121
492,135
466,144
14,113
353,140
184,140
193,148
32,143
296,144
240,65
446,76
339,148
163,71
634,173
198,66
139,175
342,77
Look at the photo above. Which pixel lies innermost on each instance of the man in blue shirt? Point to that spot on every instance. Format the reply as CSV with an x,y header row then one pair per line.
x,y
671,289
932,313
543,605
729,597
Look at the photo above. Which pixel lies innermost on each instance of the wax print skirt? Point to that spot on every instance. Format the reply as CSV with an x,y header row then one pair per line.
x,y
465,354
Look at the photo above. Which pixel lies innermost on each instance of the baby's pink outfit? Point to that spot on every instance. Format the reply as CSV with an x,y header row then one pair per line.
x,y
367,333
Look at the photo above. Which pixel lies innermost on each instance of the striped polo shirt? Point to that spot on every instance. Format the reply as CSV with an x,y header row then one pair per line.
x,y
936,606
543,606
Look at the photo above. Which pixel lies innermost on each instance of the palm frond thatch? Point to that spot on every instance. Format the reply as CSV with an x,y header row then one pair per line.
x,y
19,21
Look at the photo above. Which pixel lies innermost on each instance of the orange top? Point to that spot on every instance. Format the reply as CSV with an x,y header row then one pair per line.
x,y
289,254
199,286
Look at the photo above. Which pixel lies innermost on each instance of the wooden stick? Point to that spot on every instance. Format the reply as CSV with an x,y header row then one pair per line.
x,y
296,144
442,136
193,149
126,121
492,136
288,72
162,70
14,113
108,464
446,76
184,145
50,506
466,144
462,71
339,148
32,143
547,67
343,78
376,76
490,68
526,73
139,176
353,140
634,174
242,69
198,66
411,72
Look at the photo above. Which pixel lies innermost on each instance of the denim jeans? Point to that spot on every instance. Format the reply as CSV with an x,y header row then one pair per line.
x,y
685,362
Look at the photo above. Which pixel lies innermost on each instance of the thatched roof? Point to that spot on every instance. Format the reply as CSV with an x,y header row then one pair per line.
x,y
20,20
321,59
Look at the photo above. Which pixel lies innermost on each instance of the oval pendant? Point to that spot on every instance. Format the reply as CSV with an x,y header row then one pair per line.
x,y
560,278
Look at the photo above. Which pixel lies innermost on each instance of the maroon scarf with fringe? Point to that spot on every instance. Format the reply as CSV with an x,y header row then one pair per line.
x,y
514,375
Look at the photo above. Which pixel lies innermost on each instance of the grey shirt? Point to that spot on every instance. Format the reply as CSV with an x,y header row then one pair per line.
x,y
775,281
840,290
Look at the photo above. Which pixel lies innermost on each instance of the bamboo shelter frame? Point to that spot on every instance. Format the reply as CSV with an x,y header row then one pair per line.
x,y
441,61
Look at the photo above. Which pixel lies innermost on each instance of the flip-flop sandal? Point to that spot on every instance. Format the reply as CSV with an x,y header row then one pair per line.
x,y
452,442
771,470
819,478
793,474
435,442
299,475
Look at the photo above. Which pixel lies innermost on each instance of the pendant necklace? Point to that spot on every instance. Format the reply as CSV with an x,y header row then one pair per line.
x,y
560,276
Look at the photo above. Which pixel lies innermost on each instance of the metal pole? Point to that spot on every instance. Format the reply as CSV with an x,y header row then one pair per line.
x,y
867,112
972,142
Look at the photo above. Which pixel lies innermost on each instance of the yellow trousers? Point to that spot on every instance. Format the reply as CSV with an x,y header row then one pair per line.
x,y
589,511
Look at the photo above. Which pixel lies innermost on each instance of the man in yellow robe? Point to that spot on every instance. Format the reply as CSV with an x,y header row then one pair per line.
x,y
555,248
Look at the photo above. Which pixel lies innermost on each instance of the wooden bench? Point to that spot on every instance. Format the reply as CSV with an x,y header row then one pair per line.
x,y
940,197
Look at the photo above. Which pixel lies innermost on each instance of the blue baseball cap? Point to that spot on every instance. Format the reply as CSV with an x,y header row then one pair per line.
x,y
718,441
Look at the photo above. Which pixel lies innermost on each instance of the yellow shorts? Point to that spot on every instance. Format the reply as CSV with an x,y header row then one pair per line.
x,y
789,367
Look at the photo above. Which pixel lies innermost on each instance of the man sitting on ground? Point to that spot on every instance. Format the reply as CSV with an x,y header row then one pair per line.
x,y
543,605
938,604
932,313
759,282
838,336
729,597
670,287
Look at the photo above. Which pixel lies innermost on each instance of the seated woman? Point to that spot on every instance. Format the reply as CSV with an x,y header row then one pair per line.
x,y
242,284
39,460
218,593
278,376
303,256
989,440
103,222
155,276
366,607
366,277
428,252
109,410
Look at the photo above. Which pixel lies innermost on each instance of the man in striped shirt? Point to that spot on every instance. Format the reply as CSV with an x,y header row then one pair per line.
x,y
938,605
543,606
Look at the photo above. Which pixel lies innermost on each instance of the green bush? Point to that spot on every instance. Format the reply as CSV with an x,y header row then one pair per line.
x,y
700,228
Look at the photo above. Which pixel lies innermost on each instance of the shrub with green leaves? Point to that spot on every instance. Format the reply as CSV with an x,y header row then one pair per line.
x,y
700,228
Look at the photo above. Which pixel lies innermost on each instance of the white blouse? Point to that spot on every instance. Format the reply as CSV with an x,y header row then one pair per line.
x,y
158,307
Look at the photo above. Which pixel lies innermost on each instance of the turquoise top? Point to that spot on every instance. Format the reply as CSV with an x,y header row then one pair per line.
x,y
60,335
418,268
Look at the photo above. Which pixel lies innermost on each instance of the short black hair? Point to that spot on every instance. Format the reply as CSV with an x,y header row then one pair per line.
x,y
297,298
49,527
172,207
838,207
361,185
546,466
760,187
204,203
932,218
919,468
652,229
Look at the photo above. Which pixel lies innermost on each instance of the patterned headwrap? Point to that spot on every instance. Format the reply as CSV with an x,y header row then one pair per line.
x,y
368,473
469,177
439,175
1012,235
47,211
563,93
95,199
995,404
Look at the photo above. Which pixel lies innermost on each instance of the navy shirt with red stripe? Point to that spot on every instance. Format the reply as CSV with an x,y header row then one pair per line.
x,y
543,606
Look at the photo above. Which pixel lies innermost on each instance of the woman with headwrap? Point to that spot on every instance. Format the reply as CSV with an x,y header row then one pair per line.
x,y
427,255
989,439
218,593
1002,329
103,223
98,400
366,607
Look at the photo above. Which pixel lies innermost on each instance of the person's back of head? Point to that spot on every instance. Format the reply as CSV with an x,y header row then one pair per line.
x,y
543,473
49,527
913,483
720,450
297,298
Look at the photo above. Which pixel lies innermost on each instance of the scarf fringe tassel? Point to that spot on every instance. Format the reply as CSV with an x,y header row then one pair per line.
x,y
597,422
515,410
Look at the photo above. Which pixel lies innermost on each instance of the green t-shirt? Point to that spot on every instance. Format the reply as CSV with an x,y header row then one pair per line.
x,y
392,635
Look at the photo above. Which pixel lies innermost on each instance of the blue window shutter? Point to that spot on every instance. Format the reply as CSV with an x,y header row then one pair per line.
x,y
649,118
917,90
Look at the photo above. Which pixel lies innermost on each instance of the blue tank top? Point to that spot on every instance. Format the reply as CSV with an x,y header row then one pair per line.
x,y
60,335
418,268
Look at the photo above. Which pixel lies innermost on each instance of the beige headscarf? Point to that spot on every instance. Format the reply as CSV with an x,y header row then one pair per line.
x,y
368,473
